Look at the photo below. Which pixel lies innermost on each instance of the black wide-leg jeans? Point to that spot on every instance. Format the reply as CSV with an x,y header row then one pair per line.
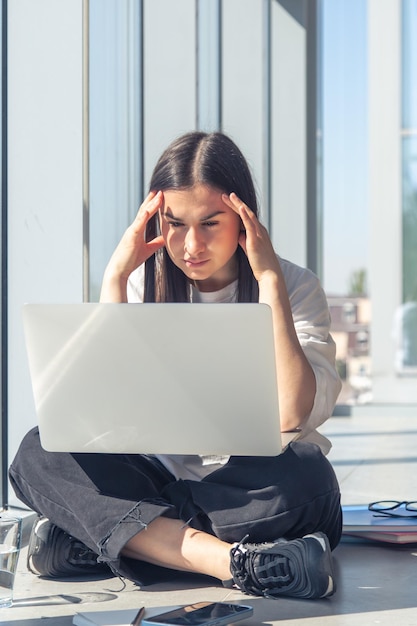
x,y
105,499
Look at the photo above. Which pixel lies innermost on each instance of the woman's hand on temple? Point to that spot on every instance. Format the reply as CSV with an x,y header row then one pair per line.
x,y
132,251
254,239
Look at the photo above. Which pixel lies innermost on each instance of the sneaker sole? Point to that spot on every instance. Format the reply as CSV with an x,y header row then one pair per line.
x,y
51,562
38,552
323,541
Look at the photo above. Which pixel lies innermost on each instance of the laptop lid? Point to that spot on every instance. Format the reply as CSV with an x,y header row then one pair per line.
x,y
154,378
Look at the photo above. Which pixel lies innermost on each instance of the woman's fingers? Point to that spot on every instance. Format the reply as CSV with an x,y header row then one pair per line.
x,y
248,217
250,222
154,245
149,207
132,249
235,203
255,239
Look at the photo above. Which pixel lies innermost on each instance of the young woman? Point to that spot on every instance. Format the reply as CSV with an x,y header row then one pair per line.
x,y
197,238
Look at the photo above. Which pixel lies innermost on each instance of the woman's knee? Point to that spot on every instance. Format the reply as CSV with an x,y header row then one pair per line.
x,y
28,453
25,464
309,462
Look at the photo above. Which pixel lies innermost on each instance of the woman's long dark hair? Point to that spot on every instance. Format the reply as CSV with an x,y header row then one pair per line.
x,y
210,159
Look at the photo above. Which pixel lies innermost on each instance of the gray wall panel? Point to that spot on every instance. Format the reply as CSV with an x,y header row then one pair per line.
x,y
289,135
242,80
45,175
169,74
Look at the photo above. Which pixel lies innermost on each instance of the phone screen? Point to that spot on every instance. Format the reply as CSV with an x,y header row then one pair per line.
x,y
202,613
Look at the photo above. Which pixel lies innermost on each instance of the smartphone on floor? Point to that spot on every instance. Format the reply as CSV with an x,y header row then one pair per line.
x,y
201,614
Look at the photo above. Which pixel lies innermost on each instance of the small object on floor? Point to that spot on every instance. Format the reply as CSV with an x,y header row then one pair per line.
x,y
54,553
300,568
138,618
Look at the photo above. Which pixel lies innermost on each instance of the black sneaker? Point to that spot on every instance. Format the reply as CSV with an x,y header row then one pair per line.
x,y
301,568
54,553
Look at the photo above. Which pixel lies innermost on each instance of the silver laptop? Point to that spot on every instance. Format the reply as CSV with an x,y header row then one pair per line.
x,y
154,378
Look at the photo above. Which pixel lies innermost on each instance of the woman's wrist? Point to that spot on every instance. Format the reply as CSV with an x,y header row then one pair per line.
x,y
273,291
114,287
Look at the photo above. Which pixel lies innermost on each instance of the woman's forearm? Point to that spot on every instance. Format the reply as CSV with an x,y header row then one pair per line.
x,y
113,288
295,377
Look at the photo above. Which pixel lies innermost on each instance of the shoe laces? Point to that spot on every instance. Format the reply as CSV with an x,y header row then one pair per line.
x,y
267,569
79,554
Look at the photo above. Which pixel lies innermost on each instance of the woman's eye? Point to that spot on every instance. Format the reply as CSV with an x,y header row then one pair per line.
x,y
175,224
210,224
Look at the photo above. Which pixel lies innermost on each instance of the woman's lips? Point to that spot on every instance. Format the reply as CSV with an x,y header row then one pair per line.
x,y
195,263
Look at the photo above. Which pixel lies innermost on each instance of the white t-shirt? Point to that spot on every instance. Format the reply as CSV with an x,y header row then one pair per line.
x,y
312,324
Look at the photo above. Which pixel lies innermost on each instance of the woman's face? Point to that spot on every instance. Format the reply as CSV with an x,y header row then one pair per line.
x,y
201,235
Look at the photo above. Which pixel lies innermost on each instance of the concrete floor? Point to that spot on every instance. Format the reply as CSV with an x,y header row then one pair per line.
x,y
374,457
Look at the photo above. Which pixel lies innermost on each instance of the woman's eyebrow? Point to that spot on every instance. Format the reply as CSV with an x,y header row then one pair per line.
x,y
167,213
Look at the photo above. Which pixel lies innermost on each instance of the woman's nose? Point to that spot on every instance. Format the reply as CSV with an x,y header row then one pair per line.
x,y
193,243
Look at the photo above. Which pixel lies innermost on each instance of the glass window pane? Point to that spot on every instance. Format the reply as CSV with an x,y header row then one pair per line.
x,y
377,367
406,319
114,127
345,202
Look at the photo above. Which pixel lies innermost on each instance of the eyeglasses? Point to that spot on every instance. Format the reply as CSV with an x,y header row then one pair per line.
x,y
388,507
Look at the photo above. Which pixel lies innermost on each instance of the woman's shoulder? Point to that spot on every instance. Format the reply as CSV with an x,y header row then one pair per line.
x,y
296,275
305,292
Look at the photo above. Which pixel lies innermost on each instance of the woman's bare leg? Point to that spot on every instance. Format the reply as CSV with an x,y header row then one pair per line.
x,y
170,543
